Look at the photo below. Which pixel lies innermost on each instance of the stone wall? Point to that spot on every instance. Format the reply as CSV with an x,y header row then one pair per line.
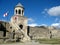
x,y
43,32
1,34
55,33
33,32
39,32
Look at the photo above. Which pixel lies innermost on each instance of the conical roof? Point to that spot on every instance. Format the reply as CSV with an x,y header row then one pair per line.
x,y
19,5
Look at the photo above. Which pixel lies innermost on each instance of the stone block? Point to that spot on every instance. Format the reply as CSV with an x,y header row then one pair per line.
x,y
1,34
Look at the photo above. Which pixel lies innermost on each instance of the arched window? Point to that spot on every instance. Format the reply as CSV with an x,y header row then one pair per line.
x,y
16,11
19,11
21,26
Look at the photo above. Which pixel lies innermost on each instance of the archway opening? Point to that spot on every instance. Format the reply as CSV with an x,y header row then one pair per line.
x,y
16,11
21,26
19,11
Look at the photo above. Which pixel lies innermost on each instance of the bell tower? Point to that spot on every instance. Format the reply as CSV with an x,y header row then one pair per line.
x,y
19,23
19,10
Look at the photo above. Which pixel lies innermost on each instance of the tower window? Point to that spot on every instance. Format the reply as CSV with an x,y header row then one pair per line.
x,y
16,11
22,12
19,11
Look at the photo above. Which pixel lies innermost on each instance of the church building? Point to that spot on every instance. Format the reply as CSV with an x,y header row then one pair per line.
x,y
17,27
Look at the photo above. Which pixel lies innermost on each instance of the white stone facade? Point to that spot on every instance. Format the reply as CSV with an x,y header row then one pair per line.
x,y
18,23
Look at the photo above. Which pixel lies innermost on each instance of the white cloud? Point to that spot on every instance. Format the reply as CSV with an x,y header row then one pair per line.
x,y
45,10
3,20
30,20
33,24
43,25
54,11
56,25
56,19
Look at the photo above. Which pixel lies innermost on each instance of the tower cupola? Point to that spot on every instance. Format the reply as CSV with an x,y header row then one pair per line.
x,y
19,10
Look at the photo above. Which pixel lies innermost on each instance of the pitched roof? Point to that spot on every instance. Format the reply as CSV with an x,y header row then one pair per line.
x,y
19,5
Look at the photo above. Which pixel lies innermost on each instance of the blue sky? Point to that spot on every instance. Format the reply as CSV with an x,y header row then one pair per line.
x,y
38,12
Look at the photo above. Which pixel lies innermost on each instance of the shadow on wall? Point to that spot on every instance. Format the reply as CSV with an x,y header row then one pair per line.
x,y
3,28
28,30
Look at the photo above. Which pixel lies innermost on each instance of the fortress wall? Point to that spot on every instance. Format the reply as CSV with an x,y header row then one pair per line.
x,y
37,32
55,33
1,34
33,32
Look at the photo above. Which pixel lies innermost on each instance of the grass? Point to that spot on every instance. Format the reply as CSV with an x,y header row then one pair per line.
x,y
48,41
42,41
